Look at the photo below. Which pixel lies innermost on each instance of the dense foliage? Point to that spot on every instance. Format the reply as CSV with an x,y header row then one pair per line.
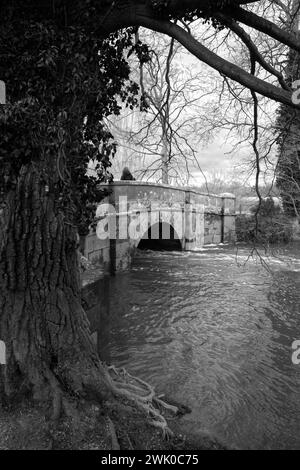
x,y
61,82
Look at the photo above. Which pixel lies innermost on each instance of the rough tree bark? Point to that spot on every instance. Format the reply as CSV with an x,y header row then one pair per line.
x,y
45,329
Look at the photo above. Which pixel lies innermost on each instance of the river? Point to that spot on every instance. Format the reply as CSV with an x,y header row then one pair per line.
x,y
213,329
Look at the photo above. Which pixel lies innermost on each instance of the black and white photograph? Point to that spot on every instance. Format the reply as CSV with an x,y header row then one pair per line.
x,y
149,228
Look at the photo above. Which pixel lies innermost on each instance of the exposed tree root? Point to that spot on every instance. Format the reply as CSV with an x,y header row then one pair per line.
x,y
87,394
143,396
89,380
122,385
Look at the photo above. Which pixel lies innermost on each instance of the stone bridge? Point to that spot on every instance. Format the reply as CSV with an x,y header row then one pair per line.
x,y
148,215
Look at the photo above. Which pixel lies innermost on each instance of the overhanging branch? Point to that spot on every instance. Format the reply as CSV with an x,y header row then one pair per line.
x,y
265,26
253,49
223,66
127,13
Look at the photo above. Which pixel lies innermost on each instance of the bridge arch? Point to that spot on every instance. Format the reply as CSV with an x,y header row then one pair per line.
x,y
160,236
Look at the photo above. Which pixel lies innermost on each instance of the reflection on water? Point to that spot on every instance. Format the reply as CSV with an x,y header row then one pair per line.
x,y
214,334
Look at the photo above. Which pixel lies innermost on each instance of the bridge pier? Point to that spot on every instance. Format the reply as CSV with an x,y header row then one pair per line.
x,y
132,208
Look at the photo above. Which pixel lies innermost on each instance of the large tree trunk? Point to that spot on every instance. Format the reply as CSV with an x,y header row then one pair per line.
x,y
50,353
45,329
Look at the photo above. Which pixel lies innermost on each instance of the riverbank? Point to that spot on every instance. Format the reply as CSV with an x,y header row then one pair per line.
x,y
108,427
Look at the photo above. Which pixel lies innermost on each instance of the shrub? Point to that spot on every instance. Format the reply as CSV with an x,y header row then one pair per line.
x,y
269,226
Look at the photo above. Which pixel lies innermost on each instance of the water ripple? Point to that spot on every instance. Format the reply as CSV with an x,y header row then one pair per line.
x,y
216,335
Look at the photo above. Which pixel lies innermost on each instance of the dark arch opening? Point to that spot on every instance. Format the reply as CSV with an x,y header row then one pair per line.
x,y
160,236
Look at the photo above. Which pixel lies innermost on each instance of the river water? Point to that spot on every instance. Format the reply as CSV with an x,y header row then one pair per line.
x,y
214,330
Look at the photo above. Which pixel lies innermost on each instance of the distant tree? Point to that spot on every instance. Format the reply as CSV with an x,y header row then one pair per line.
x,y
162,141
